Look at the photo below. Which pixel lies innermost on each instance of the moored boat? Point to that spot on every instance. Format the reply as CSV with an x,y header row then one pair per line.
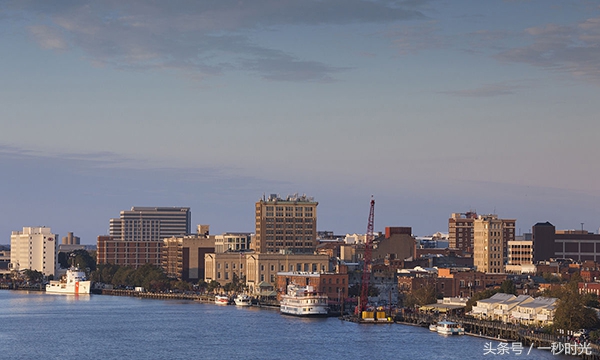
x,y
450,328
74,282
303,301
243,300
222,300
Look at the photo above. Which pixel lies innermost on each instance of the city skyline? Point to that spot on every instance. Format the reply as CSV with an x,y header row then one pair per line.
x,y
432,107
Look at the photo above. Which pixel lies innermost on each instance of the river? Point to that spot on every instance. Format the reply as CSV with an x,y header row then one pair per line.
x,y
36,325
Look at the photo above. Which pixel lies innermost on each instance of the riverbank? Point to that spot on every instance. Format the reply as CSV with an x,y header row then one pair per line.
x,y
505,333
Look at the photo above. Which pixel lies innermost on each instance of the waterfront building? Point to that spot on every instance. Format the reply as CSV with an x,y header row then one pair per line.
x,y
259,268
183,256
34,248
225,267
128,253
539,312
232,242
332,284
4,261
460,231
578,245
136,237
288,224
491,236
510,308
449,282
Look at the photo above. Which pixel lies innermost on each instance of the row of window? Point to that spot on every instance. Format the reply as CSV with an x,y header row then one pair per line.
x,y
288,208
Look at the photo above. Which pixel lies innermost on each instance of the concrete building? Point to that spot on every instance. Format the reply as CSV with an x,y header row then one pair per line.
x,y
286,224
232,242
259,268
150,223
491,236
4,261
136,237
543,241
579,245
183,256
460,231
128,253
520,257
34,248
396,243
70,239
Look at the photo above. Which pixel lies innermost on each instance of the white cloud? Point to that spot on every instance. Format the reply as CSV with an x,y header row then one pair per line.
x,y
48,37
572,49
201,37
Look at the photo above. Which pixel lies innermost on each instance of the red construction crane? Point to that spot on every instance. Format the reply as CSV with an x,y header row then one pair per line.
x,y
366,275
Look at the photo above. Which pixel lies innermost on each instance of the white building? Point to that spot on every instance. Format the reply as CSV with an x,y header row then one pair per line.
x,y
232,242
34,248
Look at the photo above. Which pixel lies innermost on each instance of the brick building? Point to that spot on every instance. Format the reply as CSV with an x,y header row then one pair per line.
x,y
334,285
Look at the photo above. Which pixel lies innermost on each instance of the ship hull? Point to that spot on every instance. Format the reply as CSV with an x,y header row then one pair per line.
x,y
80,287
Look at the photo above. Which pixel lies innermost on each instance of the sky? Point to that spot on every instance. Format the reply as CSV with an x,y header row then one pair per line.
x,y
430,106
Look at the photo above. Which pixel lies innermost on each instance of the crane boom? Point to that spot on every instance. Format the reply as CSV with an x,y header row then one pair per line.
x,y
366,275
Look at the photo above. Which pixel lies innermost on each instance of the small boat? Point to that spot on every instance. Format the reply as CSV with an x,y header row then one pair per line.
x,y
74,282
222,300
433,327
449,328
303,301
243,300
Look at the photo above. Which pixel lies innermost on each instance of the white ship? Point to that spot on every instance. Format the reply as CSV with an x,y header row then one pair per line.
x,y
222,300
449,328
243,300
303,301
74,282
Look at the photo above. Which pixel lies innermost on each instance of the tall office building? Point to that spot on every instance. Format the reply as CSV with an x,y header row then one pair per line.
x,y
150,223
34,248
490,237
136,237
579,245
460,231
286,224
183,256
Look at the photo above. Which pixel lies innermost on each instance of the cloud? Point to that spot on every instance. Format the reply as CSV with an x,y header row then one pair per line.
x,y
201,38
573,49
411,39
487,90
48,37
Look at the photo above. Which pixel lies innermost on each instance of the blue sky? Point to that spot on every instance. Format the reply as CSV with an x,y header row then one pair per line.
x,y
433,107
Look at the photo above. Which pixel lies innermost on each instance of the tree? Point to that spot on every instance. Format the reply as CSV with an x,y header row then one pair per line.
x,y
33,276
82,259
212,286
571,312
424,295
508,287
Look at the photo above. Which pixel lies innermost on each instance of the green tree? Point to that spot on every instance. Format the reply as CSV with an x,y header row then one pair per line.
x,y
212,286
82,259
33,276
571,312
424,295
508,287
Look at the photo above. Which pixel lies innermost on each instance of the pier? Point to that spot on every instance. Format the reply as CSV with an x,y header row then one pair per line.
x,y
496,331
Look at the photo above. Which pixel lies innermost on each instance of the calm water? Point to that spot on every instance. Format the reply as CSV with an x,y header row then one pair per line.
x,y
48,326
